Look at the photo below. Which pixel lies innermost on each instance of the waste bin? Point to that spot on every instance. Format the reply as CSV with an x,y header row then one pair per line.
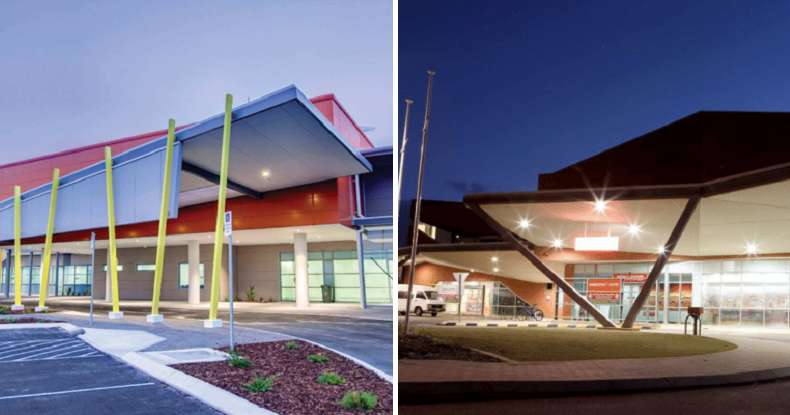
x,y
328,293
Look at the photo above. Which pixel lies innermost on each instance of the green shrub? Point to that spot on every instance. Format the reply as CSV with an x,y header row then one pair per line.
x,y
331,379
292,346
3,311
317,358
238,361
260,384
9,320
250,293
354,400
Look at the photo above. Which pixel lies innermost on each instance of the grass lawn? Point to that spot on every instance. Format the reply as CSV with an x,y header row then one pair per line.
x,y
550,345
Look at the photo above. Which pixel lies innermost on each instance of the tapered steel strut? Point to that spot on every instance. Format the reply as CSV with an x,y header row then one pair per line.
x,y
523,249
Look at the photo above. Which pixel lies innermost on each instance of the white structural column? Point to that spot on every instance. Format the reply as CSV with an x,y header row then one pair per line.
x,y
108,279
300,269
193,256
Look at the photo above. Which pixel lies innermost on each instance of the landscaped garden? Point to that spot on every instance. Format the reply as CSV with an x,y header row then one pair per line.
x,y
550,344
297,377
26,320
28,310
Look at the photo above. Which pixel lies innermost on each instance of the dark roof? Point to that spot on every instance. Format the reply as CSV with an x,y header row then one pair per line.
x,y
699,148
453,217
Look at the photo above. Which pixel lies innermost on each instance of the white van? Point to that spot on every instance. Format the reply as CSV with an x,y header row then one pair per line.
x,y
424,299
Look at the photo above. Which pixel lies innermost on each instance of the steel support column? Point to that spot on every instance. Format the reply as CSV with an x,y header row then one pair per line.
x,y
523,249
662,259
43,287
155,317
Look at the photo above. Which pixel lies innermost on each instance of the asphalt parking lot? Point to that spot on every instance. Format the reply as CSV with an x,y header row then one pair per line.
x,y
46,371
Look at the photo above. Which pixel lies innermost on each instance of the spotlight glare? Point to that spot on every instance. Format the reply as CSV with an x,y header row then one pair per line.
x,y
661,250
557,243
600,205
496,269
524,223
751,249
495,259
634,229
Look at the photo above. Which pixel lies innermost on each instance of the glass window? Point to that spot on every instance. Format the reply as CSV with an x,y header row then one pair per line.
x,y
752,317
776,318
711,295
145,267
730,295
753,296
183,275
776,296
119,267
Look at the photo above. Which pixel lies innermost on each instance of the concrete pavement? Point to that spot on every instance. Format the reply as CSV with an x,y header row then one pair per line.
x,y
422,381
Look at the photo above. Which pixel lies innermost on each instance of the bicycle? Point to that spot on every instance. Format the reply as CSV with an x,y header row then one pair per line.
x,y
529,312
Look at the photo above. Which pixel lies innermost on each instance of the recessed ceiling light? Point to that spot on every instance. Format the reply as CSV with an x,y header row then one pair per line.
x,y
557,243
524,223
751,249
265,174
496,269
634,229
495,259
600,205
661,249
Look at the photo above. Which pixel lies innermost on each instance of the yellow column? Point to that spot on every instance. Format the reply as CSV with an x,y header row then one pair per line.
x,y
17,249
44,286
218,234
160,242
116,312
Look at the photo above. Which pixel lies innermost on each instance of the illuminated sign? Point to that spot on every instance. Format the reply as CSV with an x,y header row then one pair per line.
x,y
596,243
632,278
604,285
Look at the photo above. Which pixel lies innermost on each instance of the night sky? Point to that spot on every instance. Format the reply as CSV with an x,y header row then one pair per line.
x,y
528,87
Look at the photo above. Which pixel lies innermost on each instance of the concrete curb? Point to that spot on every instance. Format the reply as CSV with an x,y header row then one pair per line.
x,y
532,325
413,393
212,396
380,373
68,328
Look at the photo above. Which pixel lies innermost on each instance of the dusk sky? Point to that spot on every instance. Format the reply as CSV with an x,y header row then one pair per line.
x,y
530,87
74,73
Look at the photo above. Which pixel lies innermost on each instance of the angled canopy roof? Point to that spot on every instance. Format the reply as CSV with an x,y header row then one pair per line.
x,y
281,134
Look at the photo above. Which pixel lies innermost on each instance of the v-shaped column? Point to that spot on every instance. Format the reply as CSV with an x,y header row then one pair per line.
x,y
523,249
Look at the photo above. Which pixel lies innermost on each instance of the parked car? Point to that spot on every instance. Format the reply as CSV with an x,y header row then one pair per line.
x,y
424,299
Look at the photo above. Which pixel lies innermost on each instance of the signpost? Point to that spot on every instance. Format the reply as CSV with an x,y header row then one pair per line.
x,y
93,261
604,290
460,277
229,234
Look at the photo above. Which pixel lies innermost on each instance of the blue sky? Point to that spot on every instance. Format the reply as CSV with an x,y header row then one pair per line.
x,y
527,87
74,73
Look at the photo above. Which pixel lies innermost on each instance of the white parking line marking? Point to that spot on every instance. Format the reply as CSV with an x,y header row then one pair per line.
x,y
51,351
57,343
75,391
38,350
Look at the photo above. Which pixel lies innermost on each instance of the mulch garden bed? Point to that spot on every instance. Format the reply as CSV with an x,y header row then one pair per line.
x,y
414,346
5,310
10,320
296,390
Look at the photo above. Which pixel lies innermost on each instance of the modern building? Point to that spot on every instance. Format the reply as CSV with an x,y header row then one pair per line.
x,y
300,170
696,213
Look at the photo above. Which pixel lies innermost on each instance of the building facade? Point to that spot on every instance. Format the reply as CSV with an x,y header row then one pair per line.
x,y
299,170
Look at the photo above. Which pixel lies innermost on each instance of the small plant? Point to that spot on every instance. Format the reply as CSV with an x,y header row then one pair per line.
x,y
317,358
260,384
237,299
88,291
292,346
238,361
354,400
250,293
3,311
330,379
68,290
226,299
42,321
270,299
9,320
260,300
